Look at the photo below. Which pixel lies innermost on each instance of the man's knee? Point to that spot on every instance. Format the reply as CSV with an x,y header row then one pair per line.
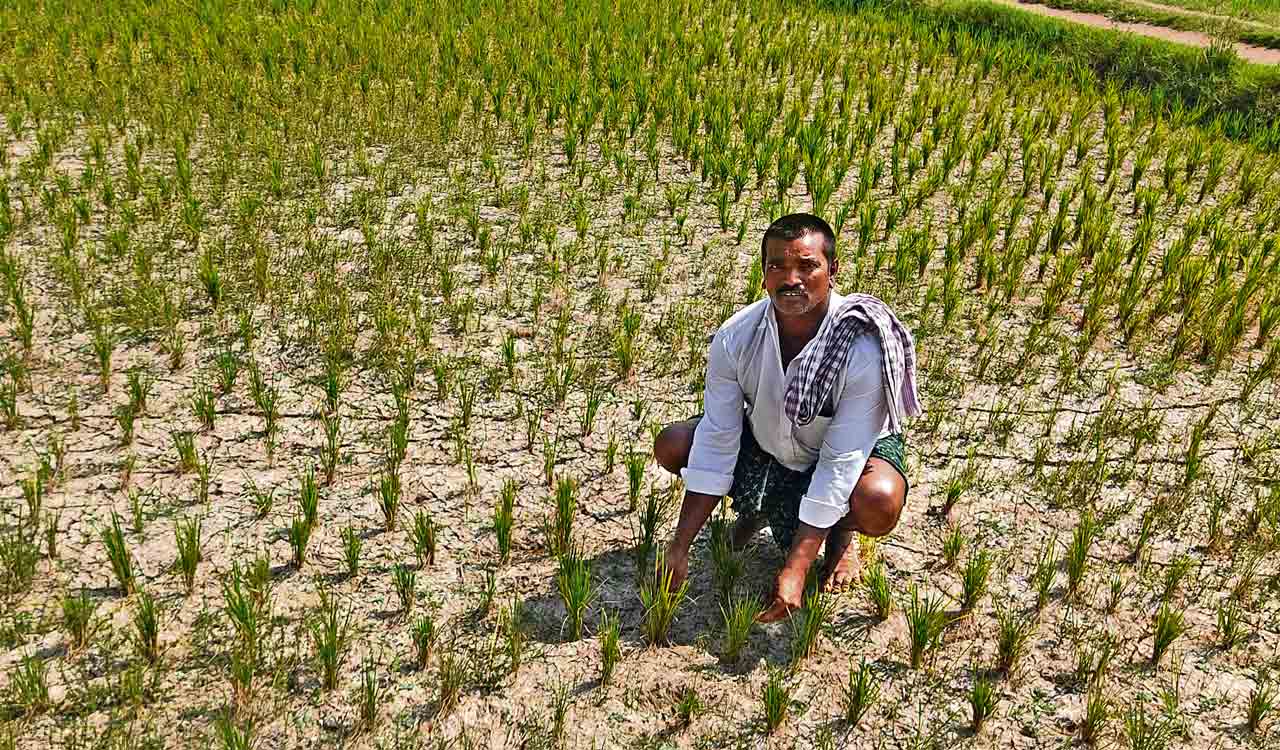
x,y
877,502
671,448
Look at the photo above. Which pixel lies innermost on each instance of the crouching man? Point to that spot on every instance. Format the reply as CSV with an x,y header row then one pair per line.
x,y
807,392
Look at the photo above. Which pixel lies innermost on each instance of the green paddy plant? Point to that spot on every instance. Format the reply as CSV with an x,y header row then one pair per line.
x,y
78,620
1231,625
185,444
1174,574
330,453
119,556
876,581
451,678
776,699
982,701
204,406
299,534
139,388
424,538
1143,732
388,495
517,639
1169,625
952,545
814,617
186,537
146,628
504,519
661,601
126,419
1097,715
29,686
861,691
739,617
974,579
610,646
1077,557
726,565
577,590
1261,704
1013,638
330,636
635,463
558,524
352,544
926,623
646,526
309,496
424,636
405,582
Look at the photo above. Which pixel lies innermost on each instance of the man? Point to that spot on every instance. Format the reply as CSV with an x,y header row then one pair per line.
x,y
806,394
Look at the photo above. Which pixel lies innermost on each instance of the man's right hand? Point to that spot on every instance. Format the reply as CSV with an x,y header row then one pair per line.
x,y
676,561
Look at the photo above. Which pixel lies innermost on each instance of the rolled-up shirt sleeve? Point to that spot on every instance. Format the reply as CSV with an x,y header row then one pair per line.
x,y
856,425
716,439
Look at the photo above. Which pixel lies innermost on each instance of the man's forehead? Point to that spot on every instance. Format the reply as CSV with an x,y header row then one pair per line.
x,y
808,244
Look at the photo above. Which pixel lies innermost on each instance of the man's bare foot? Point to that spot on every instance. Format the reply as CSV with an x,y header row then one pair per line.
x,y
841,565
745,528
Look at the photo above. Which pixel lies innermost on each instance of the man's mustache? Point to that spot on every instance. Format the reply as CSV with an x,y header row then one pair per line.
x,y
793,288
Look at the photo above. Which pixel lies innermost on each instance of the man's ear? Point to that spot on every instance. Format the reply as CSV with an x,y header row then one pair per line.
x,y
835,269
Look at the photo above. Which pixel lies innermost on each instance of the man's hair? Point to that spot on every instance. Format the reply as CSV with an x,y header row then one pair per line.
x,y
795,226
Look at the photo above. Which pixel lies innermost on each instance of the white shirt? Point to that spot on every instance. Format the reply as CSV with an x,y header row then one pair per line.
x,y
744,366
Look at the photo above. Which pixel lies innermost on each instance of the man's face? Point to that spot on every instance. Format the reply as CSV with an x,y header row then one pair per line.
x,y
796,274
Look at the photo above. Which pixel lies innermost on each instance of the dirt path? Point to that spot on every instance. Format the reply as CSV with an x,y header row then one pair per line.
x,y
1200,14
1247,52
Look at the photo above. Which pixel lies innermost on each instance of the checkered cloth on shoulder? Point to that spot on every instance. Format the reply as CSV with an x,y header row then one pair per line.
x,y
828,356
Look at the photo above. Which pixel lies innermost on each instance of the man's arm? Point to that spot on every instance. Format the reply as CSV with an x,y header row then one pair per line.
x,y
712,458
859,417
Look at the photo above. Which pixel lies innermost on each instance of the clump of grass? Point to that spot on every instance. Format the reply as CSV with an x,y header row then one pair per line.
x,y
646,526
1097,714
405,581
370,697
78,619
814,618
688,707
299,538
513,626
1178,569
1169,626
185,444
726,565
389,498
661,601
776,698
558,525
1232,628
1262,702
1045,573
1011,639
635,463
146,628
186,535
952,545
739,617
330,635
610,646
1078,552
982,702
573,579
926,621
1143,732
860,693
424,538
30,685
352,544
19,557
973,580
424,636
119,555
451,677
878,590
504,519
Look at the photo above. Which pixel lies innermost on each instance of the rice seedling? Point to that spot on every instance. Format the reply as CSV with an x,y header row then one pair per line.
x,y
1046,571
1174,574
405,582
308,497
330,636
1261,704
424,538
330,453
146,628
504,519
973,580
861,692
370,697
952,545
982,702
726,565
186,537
299,534
1012,639
635,463
577,591
926,622
776,698
388,494
739,617
1077,557
424,636
513,626
29,686
876,581
1143,732
661,601
1169,625
119,556
814,617
1097,714
1231,625
232,736
559,712
185,444
78,620
451,677
645,528
262,500
558,524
